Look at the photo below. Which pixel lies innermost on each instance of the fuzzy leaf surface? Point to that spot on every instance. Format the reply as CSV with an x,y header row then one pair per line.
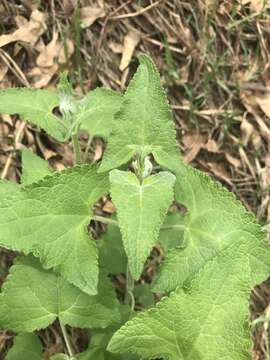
x,y
35,106
225,255
32,298
214,221
144,123
34,168
25,346
49,219
207,321
96,110
141,209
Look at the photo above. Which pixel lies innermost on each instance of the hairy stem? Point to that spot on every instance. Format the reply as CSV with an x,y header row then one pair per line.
x,y
129,297
76,147
105,220
66,339
88,146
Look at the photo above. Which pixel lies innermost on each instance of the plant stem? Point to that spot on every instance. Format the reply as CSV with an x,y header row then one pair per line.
x,y
88,146
175,226
66,339
129,297
76,147
105,220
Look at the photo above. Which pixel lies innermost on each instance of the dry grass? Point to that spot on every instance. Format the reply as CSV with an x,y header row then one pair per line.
x,y
214,61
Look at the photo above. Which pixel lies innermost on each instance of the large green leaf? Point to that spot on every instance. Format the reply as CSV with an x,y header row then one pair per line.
x,y
141,209
225,255
26,346
34,168
144,123
50,219
96,110
35,106
208,321
32,298
214,221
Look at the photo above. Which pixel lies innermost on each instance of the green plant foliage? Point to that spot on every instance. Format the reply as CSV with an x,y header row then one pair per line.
x,y
141,209
34,168
32,298
214,251
96,110
144,295
25,347
172,233
144,123
49,219
112,256
214,222
35,106
207,321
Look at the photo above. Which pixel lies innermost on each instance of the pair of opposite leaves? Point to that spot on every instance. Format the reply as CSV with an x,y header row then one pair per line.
x,y
224,252
60,205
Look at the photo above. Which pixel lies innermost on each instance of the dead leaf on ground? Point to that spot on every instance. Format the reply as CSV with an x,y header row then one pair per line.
x,y
28,32
211,146
264,103
193,143
246,162
258,5
246,131
250,102
48,61
109,207
3,69
218,169
115,47
232,160
131,40
265,175
89,14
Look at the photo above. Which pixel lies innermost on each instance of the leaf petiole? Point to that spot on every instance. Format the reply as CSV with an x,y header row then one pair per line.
x,y
66,339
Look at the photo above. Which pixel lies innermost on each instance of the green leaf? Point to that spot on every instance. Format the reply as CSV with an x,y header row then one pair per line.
x,y
8,187
214,221
61,357
112,256
208,321
141,209
97,348
144,123
144,295
96,110
35,106
225,256
34,168
25,346
50,219
32,298
172,232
